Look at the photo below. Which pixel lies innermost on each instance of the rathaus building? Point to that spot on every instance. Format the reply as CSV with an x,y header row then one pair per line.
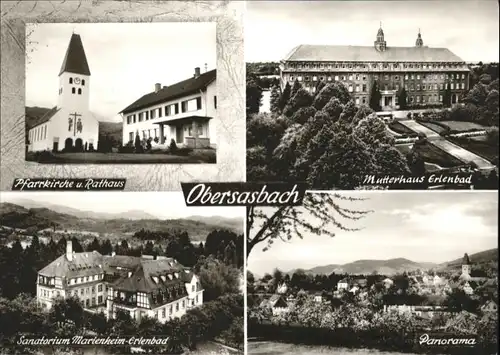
x,y
424,72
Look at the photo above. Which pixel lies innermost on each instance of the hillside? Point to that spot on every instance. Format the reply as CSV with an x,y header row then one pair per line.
x,y
381,267
489,256
16,216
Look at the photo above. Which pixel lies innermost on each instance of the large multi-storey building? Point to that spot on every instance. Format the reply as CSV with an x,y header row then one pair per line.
x,y
425,73
160,288
184,112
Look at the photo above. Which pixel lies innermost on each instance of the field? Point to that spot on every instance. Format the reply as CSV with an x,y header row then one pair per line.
x,y
433,154
206,156
272,348
435,127
477,145
401,129
462,126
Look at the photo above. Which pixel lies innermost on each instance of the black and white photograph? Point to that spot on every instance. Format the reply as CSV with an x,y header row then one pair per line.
x,y
142,265
373,94
121,93
374,273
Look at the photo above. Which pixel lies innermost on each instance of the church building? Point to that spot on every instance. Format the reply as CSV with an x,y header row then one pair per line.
x,y
68,126
428,75
158,287
184,112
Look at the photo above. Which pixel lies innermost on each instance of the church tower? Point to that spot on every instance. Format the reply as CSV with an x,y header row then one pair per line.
x,y
466,266
419,42
74,78
380,43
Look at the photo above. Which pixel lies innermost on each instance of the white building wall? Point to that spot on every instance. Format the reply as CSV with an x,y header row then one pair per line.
x,y
58,125
149,126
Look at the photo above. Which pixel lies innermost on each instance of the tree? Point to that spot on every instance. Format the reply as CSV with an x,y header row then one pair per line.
x,y
319,86
138,144
403,97
284,222
375,97
447,96
254,95
217,278
301,98
275,100
296,86
285,96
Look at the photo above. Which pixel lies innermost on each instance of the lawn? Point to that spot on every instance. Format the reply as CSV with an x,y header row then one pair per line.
x,y
202,156
432,154
481,147
434,126
401,129
462,126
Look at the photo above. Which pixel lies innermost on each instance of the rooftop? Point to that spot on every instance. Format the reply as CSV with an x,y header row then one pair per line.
x,y
167,93
307,52
75,60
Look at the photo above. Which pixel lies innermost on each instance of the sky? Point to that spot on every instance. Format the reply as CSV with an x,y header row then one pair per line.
x,y
469,28
125,59
423,226
161,204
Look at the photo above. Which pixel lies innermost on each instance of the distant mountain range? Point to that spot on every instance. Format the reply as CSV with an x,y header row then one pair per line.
x,y
398,265
35,215
382,267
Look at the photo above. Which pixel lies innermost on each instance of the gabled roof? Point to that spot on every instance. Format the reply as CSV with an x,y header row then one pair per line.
x,y
75,60
42,119
82,264
147,276
180,89
307,52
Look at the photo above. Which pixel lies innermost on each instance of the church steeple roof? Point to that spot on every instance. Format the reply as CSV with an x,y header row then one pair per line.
x,y
75,60
466,260
419,42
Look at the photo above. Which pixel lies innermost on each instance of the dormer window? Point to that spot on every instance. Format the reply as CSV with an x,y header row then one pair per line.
x,y
176,275
71,80
170,277
163,278
155,279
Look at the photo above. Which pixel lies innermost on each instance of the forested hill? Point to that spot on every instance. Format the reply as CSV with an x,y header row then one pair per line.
x,y
15,216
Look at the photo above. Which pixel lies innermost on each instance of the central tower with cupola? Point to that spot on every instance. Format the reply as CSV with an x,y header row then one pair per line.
x,y
380,43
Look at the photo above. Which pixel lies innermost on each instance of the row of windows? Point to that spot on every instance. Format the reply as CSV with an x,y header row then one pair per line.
x,y
73,91
49,294
168,110
76,81
178,305
38,134
424,87
77,280
93,301
89,290
375,65
358,77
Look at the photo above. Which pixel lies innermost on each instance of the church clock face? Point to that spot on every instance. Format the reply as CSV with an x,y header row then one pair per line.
x,y
77,80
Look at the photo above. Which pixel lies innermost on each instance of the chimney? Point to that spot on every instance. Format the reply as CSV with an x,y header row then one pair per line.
x,y
206,67
196,72
69,250
157,87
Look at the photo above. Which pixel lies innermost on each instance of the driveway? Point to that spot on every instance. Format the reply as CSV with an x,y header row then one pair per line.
x,y
417,127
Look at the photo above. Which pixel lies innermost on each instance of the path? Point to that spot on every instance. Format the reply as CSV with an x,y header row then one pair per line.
x,y
445,145
417,127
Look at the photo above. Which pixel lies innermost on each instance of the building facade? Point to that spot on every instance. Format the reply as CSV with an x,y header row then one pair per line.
x,y
425,73
160,288
184,112
70,124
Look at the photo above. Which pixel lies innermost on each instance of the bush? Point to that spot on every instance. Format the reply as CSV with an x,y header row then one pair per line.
x,y
172,147
183,151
